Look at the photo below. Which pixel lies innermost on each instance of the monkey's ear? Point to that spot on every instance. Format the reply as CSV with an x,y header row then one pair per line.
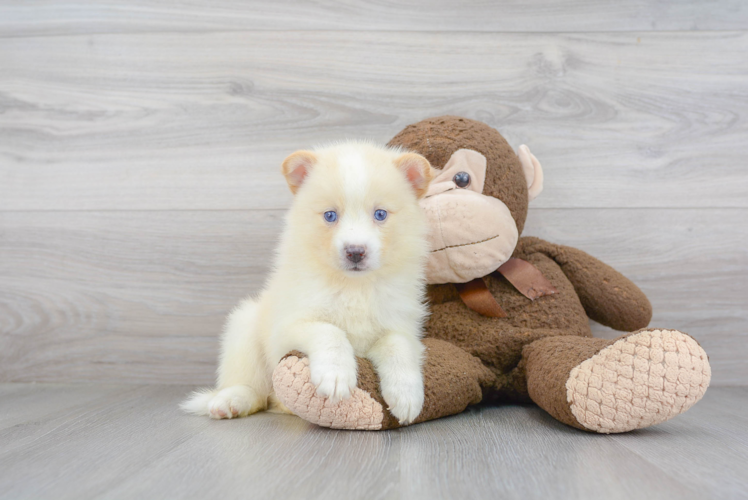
x,y
296,167
418,171
533,172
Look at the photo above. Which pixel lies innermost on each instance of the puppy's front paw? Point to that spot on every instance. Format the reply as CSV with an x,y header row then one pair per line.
x,y
233,402
334,378
404,397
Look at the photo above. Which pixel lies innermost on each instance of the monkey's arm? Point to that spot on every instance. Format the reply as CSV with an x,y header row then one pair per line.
x,y
607,296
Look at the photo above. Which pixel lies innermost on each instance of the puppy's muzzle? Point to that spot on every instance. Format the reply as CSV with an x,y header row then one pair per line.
x,y
355,253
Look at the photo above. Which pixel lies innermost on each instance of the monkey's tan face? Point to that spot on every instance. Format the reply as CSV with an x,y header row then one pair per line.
x,y
472,234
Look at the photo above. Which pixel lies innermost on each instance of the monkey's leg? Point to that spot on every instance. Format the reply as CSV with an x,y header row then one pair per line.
x,y
453,379
608,386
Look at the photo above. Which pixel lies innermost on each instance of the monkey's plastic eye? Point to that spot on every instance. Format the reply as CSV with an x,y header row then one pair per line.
x,y
380,215
462,179
331,216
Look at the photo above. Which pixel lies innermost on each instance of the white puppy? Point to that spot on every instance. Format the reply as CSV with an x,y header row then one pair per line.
x,y
348,281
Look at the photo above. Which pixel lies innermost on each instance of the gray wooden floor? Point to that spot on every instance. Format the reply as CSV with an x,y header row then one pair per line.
x,y
129,441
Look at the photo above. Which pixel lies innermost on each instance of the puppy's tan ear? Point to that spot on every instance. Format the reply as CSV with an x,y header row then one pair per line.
x,y
417,170
296,167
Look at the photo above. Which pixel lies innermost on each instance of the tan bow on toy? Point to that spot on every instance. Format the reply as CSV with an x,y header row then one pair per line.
x,y
526,278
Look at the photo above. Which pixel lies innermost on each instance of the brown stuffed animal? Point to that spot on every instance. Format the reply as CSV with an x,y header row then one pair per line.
x,y
509,315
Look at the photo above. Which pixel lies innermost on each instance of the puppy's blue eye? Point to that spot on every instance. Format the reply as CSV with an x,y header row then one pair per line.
x,y
331,216
380,214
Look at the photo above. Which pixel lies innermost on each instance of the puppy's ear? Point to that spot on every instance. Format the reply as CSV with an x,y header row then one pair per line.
x,y
417,170
296,167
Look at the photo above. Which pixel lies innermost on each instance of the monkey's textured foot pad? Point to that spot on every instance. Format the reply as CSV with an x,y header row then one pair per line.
x,y
293,386
640,380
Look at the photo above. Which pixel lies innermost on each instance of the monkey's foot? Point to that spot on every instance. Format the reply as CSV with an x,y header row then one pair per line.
x,y
294,388
641,379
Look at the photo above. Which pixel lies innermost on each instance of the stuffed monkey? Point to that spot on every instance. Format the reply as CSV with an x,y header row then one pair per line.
x,y
509,314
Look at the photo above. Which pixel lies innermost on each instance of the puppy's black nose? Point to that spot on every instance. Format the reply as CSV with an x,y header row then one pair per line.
x,y
355,253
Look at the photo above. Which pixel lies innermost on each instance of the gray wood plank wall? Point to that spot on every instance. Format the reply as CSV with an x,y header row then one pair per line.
x,y
140,142
45,17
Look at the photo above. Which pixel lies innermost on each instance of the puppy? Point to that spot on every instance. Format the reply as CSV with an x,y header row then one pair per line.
x,y
348,281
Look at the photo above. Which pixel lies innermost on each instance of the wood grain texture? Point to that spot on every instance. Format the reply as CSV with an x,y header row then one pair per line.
x,y
133,442
178,121
123,295
140,142
723,410
141,296
46,17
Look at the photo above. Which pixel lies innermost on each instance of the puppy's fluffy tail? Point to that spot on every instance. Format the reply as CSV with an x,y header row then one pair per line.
x,y
197,402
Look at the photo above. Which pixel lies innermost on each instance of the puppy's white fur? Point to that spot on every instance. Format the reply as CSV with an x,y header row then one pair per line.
x,y
319,302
